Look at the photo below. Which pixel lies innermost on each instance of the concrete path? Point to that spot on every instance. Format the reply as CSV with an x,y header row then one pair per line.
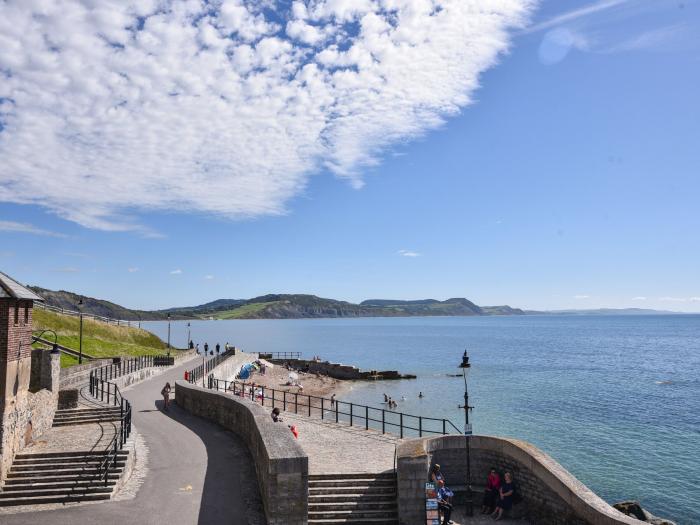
x,y
197,472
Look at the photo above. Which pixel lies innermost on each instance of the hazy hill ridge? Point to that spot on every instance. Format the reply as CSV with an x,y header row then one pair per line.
x,y
280,306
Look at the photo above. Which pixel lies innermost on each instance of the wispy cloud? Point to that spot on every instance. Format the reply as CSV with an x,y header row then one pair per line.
x,y
176,272
574,14
208,277
408,253
680,299
639,298
264,95
23,227
582,296
134,270
659,38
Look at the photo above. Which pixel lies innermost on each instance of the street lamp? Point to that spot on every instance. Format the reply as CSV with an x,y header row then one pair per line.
x,y
168,335
54,348
80,344
469,504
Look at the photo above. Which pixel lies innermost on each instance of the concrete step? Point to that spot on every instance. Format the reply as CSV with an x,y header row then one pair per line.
x,y
352,490
353,475
345,514
389,505
59,479
357,482
63,485
74,465
65,498
64,459
68,454
83,422
354,521
32,492
70,411
59,473
345,498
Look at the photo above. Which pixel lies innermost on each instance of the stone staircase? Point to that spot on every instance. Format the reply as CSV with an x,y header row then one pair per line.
x,y
80,416
353,498
59,477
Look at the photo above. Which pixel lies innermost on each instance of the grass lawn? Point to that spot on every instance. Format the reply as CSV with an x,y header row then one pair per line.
x,y
243,312
99,339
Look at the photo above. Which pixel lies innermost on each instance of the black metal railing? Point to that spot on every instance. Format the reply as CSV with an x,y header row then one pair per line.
x,y
109,393
127,366
353,414
281,355
197,373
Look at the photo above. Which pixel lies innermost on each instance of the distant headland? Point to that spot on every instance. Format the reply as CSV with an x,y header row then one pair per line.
x,y
303,306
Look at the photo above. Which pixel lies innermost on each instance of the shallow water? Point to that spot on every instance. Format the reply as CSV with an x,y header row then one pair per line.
x,y
615,399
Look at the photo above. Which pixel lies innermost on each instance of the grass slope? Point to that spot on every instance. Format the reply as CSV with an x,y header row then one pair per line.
x,y
243,312
99,339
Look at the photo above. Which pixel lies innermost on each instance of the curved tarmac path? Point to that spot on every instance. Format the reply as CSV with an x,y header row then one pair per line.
x,y
197,473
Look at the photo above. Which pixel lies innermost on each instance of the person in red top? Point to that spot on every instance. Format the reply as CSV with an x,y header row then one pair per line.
x,y
493,484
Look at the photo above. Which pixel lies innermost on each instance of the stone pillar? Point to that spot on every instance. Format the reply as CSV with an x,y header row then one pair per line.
x,y
15,370
50,370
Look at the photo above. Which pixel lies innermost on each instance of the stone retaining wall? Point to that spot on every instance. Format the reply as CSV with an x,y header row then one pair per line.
x,y
80,374
551,495
340,371
281,465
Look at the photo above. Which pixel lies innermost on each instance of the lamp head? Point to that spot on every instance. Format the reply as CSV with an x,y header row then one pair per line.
x,y
54,349
465,361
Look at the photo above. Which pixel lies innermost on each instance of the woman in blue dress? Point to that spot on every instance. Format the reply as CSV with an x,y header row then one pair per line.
x,y
505,496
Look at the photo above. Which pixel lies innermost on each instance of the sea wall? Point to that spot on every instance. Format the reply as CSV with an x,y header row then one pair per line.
x,y
338,370
281,465
551,495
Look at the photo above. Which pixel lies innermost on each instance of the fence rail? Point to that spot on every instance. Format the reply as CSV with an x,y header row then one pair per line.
x,y
76,313
101,389
281,355
127,366
199,372
352,414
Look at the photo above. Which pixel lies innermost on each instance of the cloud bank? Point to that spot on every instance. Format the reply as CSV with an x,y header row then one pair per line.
x,y
112,108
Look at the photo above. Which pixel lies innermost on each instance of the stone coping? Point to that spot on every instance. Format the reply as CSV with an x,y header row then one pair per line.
x,y
582,501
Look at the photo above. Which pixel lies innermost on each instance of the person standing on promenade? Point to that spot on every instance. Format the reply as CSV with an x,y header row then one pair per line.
x,y
333,401
218,348
206,348
196,348
166,395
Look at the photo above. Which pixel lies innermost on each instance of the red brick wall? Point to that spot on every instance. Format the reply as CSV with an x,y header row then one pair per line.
x,y
12,334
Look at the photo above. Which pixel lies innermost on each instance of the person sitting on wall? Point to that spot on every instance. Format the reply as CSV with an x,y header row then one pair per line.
x,y
505,500
444,506
436,475
276,415
491,495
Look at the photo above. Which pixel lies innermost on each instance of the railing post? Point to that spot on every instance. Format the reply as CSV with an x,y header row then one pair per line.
x,y
420,426
262,401
336,410
273,398
296,402
366,418
383,421
443,428
350,414
308,402
401,423
284,400
322,409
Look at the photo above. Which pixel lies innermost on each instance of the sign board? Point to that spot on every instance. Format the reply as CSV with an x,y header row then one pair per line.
x,y
432,514
468,429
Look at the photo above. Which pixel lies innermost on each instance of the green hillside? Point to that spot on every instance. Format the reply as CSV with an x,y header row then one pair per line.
x,y
99,339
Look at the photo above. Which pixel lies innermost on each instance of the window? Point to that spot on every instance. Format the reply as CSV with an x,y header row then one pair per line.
x,y
16,315
26,315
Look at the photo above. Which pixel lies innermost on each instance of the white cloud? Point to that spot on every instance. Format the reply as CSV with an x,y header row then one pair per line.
x,y
227,111
575,14
660,38
680,299
176,272
209,277
23,227
133,270
639,298
582,296
408,253
558,42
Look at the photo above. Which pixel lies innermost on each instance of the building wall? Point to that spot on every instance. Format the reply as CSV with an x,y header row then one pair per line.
x,y
551,495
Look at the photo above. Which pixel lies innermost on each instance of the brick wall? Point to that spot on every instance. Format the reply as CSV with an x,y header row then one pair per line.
x,y
551,495
11,333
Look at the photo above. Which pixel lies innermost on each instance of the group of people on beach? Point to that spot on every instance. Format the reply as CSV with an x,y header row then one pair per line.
x,y
499,496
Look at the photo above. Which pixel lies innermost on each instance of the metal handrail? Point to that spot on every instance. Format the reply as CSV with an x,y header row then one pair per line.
x,y
281,355
197,373
97,386
127,366
388,421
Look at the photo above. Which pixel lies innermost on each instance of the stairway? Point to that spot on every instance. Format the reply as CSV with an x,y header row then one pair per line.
x,y
59,477
78,416
353,498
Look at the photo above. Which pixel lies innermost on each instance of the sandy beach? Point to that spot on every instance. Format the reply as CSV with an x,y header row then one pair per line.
x,y
311,384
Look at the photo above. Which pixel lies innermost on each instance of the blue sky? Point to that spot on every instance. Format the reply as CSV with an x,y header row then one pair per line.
x,y
569,178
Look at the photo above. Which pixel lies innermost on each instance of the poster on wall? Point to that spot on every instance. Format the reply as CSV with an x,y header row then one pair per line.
x,y
432,514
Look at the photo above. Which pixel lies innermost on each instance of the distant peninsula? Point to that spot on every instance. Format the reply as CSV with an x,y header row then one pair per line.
x,y
304,306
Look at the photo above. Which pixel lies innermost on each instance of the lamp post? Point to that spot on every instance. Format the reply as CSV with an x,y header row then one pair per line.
x,y
54,348
469,504
80,344
168,335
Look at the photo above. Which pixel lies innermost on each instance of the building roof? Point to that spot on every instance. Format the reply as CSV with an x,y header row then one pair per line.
x,y
9,288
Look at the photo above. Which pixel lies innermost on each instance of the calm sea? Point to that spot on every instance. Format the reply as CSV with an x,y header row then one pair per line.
x,y
615,399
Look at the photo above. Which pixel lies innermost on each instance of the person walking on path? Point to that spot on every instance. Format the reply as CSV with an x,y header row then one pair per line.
x,y
206,348
333,401
197,348
218,348
166,395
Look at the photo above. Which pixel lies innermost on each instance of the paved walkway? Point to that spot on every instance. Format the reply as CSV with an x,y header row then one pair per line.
x,y
197,473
